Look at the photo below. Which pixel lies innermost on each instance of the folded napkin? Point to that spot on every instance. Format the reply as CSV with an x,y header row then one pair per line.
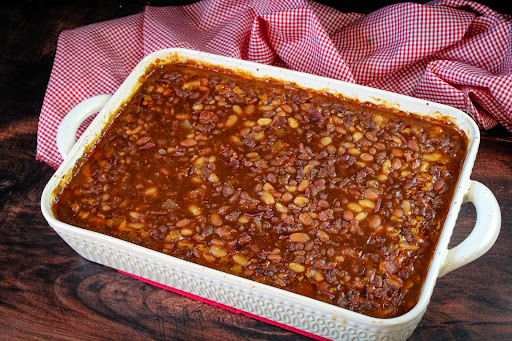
x,y
454,52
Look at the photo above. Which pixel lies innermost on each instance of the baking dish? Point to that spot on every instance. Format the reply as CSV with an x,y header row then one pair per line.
x,y
270,303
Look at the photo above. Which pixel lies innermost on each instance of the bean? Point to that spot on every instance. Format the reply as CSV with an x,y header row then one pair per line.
x,y
259,136
186,232
357,136
281,208
375,221
151,191
213,177
398,212
191,85
134,215
397,140
405,174
267,198
216,219
293,122
367,203
264,121
237,109
218,242
194,210
408,246
407,207
353,151
397,152
382,177
196,180
296,267
436,156
272,177
231,121
354,207
371,136
437,130
184,117
318,276
299,237
286,108
303,185
386,167
253,156
268,186
361,216
235,140
408,157
240,259
366,157
348,215
306,219
371,194
300,200
249,110
322,235
199,161
326,140
217,251
136,226
182,222
413,145
307,169
378,119
243,219
274,257
287,197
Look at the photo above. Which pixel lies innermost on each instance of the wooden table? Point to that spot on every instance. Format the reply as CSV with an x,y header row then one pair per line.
x,y
48,292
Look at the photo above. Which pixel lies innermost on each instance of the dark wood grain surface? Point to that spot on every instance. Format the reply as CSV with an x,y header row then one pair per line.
x,y
48,292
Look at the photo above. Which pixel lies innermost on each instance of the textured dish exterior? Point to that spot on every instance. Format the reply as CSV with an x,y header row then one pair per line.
x,y
253,299
271,303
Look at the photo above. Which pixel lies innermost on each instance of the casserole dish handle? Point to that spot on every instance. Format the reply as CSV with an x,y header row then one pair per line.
x,y
483,235
66,134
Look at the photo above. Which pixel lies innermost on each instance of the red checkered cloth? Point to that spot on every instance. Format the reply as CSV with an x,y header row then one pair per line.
x,y
453,52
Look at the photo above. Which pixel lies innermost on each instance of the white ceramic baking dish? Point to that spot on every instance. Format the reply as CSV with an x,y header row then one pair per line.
x,y
296,311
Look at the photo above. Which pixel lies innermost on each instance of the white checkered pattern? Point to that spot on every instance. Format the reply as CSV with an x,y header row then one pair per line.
x,y
439,51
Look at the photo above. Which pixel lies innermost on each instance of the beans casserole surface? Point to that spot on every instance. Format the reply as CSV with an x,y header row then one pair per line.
x,y
302,190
